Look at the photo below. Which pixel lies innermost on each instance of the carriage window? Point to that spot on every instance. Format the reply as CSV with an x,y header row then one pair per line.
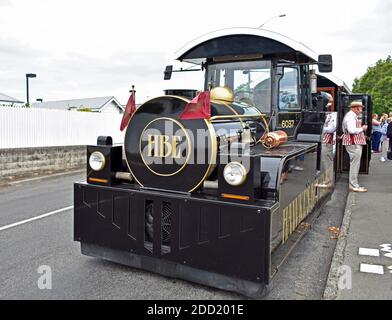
x,y
250,81
288,90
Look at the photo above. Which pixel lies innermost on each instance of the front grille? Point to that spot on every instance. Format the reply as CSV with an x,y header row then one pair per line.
x,y
166,223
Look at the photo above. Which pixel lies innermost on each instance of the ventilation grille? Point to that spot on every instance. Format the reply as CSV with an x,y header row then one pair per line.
x,y
149,224
166,222
166,226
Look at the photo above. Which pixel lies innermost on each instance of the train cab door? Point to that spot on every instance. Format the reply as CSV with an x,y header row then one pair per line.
x,y
288,110
366,117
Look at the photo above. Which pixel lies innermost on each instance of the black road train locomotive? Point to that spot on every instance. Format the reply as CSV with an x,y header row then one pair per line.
x,y
217,186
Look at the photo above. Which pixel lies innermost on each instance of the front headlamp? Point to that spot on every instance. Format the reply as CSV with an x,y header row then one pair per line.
x,y
234,173
97,161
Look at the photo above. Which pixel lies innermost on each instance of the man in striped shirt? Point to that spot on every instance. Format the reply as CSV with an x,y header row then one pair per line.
x,y
354,139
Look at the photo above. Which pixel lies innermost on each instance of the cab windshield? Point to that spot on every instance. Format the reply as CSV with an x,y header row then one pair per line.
x,y
250,81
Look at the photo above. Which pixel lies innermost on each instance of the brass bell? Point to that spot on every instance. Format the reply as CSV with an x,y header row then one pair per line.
x,y
224,94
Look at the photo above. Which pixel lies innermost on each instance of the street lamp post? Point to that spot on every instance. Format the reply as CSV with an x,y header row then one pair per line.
x,y
29,75
279,16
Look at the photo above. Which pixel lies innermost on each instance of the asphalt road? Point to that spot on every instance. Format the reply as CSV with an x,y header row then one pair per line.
x,y
49,242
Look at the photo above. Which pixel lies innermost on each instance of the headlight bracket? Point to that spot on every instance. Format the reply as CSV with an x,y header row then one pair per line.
x,y
112,163
245,191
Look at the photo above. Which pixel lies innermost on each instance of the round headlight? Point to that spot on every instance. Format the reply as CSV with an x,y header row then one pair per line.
x,y
97,161
234,173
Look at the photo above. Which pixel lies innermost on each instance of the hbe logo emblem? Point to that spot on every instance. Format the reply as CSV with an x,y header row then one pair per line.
x,y
164,146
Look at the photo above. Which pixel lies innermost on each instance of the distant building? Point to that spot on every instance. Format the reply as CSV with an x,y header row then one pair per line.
x,y
7,101
101,104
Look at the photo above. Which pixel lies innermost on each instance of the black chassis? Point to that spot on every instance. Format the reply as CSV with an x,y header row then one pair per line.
x,y
212,242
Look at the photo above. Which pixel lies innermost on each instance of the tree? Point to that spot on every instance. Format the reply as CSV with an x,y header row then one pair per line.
x,y
377,82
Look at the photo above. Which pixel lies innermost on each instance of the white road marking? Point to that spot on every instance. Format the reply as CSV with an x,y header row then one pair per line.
x,y
371,268
387,247
35,218
369,252
388,255
47,176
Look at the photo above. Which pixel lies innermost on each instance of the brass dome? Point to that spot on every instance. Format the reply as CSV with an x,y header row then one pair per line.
x,y
222,94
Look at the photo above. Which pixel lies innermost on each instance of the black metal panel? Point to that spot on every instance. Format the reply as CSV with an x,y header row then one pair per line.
x,y
215,236
248,288
97,216
132,219
312,123
291,118
295,183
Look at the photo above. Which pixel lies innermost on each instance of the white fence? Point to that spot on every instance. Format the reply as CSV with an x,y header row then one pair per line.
x,y
25,127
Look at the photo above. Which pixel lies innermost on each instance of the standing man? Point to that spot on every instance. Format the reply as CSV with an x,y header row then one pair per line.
x,y
354,139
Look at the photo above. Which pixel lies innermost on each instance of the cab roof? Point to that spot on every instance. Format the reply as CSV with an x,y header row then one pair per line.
x,y
237,42
335,81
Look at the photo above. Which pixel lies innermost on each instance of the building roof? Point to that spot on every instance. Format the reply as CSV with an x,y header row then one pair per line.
x,y
295,46
5,98
95,104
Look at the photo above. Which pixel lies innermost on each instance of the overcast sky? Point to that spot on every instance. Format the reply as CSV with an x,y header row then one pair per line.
x,y
91,48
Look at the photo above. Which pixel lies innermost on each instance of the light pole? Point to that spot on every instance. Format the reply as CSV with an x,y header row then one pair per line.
x,y
279,16
29,75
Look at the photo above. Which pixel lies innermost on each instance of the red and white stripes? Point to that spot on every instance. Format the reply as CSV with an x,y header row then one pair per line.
x,y
350,139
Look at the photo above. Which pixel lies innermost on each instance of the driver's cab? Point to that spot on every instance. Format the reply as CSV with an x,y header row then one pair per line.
x,y
265,70
251,82
273,89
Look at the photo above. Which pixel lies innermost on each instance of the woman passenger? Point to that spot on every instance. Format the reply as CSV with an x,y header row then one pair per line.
x,y
376,133
384,139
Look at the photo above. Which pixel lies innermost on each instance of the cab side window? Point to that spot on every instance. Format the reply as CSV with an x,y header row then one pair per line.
x,y
288,90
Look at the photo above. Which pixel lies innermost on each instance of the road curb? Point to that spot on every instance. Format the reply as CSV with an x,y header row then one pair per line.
x,y
331,288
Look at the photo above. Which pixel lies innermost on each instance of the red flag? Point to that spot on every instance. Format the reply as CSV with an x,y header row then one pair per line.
x,y
129,110
198,108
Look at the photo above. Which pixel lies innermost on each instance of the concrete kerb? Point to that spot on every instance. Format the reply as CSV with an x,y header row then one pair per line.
x,y
25,163
331,288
